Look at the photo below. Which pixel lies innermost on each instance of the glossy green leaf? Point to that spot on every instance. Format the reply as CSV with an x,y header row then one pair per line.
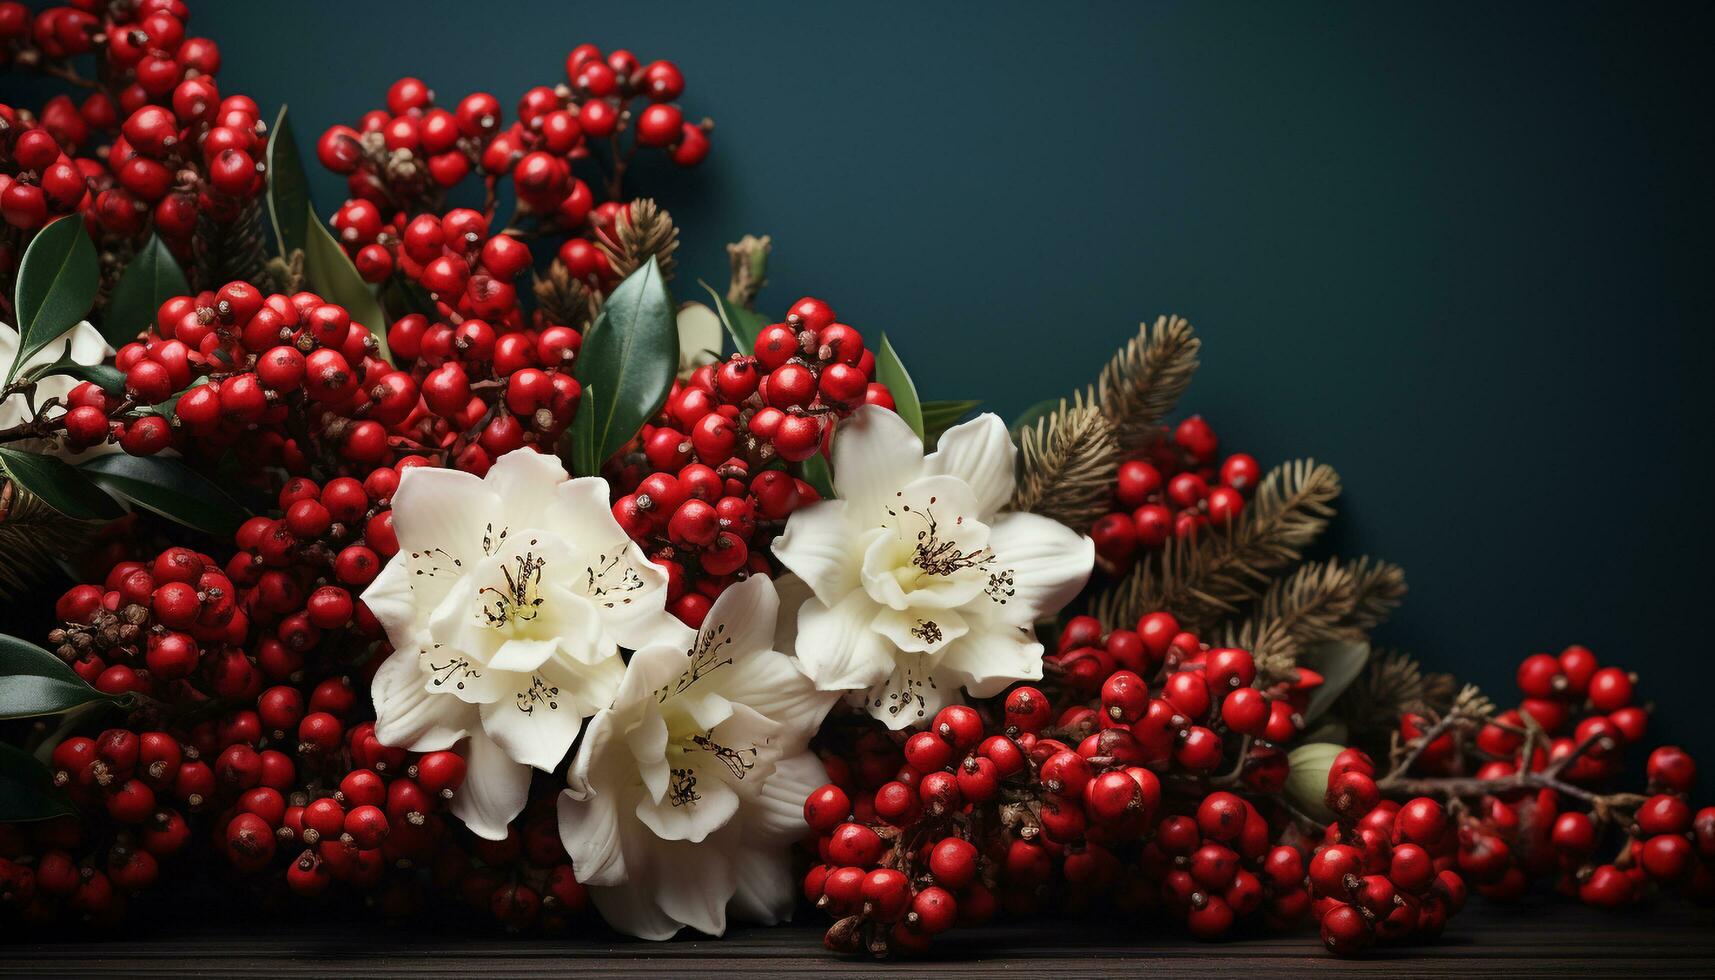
x,y
169,488
151,278
1339,662
1307,777
289,206
402,296
742,325
27,790
578,448
630,356
105,376
939,416
57,282
59,485
35,682
335,279
820,475
890,371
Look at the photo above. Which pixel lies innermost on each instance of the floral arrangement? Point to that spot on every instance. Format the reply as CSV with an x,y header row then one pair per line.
x,y
439,560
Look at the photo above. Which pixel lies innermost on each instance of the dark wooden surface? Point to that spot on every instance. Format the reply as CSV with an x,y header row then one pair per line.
x,y
1671,940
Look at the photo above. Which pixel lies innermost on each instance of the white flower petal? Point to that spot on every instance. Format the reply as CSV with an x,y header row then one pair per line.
x,y
681,817
520,655
910,695
701,885
628,590
632,907
774,686
539,719
775,817
394,603
794,592
742,619
1049,564
920,630
980,453
836,646
589,831
765,892
408,717
525,480
874,454
495,789
817,547
987,661
440,518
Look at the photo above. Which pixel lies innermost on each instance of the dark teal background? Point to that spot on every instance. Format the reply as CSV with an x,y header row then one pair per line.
x,y
1461,251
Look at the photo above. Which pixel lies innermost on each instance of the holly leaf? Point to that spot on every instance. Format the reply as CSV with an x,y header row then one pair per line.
x,y
1307,779
890,371
57,282
331,274
939,416
289,206
59,485
169,488
27,790
34,682
818,474
742,325
629,358
577,445
105,376
151,278
1339,662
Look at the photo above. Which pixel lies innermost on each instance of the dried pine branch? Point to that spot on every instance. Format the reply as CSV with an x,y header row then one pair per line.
x,y
749,259
229,251
1145,379
1393,684
1207,578
642,230
563,300
32,536
1066,465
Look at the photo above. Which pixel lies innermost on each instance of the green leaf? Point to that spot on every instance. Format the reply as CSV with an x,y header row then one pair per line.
x,y
57,281
1339,662
151,278
35,682
27,790
289,206
1307,779
1030,416
742,325
59,485
630,355
578,444
105,376
169,488
404,295
820,475
890,371
331,274
940,416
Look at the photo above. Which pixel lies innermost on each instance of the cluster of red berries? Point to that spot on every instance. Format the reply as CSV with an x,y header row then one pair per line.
x,y
400,161
1172,492
1385,872
1122,787
154,145
702,491
1537,766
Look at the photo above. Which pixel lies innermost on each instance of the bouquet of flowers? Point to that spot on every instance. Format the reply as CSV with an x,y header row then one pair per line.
x,y
443,560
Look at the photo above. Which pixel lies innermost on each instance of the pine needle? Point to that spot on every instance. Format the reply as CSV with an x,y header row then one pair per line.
x,y
1066,466
32,536
641,230
563,300
229,251
1144,380
1207,578
1317,602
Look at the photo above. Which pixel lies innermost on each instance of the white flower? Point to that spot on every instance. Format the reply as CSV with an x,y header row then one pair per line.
x,y
921,588
506,607
700,337
85,345
686,795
